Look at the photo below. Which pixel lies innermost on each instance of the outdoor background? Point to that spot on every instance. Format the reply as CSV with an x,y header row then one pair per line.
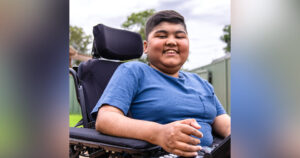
x,y
34,81
205,20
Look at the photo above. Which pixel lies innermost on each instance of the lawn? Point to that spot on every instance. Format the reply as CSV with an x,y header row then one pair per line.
x,y
73,119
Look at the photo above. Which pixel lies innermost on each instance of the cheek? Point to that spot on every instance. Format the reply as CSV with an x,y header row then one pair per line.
x,y
184,47
156,46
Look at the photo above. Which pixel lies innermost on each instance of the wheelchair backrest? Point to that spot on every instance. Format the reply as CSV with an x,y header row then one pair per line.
x,y
94,75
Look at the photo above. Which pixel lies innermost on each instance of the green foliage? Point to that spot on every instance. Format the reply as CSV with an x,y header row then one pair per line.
x,y
227,38
74,119
78,39
137,21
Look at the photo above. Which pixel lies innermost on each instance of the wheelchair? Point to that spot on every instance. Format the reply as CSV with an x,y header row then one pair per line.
x,y
111,47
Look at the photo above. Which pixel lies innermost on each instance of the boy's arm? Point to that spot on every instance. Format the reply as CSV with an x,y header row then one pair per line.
x,y
173,137
222,125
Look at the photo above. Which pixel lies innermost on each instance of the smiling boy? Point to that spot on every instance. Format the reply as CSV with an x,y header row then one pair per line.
x,y
173,109
167,47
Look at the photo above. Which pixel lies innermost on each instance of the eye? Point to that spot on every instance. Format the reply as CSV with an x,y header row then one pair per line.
x,y
180,36
161,36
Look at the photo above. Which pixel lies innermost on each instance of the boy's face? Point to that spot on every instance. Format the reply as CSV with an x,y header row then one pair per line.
x,y
167,47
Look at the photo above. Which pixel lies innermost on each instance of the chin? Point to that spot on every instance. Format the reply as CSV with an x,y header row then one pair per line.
x,y
172,64
173,67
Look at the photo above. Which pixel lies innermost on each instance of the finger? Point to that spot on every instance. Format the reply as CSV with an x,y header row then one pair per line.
x,y
184,153
187,147
191,131
187,121
191,122
188,139
195,125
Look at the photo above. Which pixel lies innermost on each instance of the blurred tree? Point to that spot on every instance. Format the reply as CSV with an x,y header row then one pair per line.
x,y
227,38
79,40
136,21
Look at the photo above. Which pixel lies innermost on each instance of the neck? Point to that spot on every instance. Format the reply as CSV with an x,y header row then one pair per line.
x,y
173,74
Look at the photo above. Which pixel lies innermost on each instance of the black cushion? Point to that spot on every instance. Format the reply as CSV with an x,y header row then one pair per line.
x,y
94,76
88,134
116,44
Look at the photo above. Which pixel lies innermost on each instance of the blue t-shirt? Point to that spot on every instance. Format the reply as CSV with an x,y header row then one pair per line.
x,y
154,96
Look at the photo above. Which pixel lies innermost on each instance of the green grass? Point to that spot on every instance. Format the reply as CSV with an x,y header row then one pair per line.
x,y
73,119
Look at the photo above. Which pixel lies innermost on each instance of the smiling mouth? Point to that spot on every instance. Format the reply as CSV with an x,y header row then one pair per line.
x,y
170,51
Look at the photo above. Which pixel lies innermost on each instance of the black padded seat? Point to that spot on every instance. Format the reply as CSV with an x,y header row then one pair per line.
x,y
92,137
94,76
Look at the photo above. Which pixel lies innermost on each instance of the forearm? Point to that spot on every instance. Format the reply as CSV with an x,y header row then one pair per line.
x,y
117,124
173,137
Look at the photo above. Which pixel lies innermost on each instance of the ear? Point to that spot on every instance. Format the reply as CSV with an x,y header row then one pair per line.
x,y
145,46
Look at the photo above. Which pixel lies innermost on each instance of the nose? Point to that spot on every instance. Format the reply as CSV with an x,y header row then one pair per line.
x,y
171,41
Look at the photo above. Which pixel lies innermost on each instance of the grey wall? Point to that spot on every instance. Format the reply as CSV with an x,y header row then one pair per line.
x,y
220,79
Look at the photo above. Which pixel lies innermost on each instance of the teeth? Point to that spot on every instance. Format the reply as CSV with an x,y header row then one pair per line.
x,y
170,51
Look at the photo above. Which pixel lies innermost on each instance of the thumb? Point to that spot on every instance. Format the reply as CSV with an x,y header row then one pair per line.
x,y
191,122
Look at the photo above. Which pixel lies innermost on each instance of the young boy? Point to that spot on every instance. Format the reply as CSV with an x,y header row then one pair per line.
x,y
173,109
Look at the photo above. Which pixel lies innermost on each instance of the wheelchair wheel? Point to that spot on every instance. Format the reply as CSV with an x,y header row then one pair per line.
x,y
72,152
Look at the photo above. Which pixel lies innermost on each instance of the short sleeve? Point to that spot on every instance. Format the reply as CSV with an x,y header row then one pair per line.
x,y
120,90
219,107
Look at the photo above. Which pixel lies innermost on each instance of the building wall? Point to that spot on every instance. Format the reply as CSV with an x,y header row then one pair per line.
x,y
219,70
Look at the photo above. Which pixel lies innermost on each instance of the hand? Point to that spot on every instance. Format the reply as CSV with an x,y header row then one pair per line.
x,y
176,137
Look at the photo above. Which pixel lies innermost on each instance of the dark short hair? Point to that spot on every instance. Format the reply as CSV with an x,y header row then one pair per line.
x,y
165,15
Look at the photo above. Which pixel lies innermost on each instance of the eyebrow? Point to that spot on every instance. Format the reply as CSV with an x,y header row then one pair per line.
x,y
164,31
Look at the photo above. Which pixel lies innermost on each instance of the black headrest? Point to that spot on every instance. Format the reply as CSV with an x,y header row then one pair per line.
x,y
116,44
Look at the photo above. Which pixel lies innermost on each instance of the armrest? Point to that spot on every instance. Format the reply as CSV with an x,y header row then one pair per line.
x,y
91,137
